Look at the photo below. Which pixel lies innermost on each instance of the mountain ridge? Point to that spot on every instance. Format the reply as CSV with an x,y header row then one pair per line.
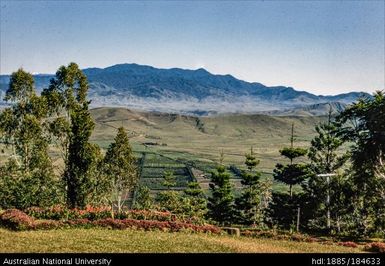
x,y
188,91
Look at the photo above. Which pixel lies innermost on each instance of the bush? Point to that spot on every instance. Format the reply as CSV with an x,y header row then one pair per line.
x,y
59,212
46,225
376,247
348,244
16,220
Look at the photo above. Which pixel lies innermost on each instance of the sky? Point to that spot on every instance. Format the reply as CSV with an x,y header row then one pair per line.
x,y
323,47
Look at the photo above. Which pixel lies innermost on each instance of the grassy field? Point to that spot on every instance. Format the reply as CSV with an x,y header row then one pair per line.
x,y
171,140
132,241
202,138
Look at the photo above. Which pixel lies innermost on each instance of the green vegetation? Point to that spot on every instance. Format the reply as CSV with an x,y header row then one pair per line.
x,y
54,158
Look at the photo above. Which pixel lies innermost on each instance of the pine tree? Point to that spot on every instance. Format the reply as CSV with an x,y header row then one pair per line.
x,y
284,208
143,200
170,200
221,202
120,169
249,203
326,158
364,127
196,203
293,173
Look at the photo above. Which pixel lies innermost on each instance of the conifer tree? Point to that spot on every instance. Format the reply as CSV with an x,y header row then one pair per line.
x,y
221,202
249,203
326,157
293,173
170,200
285,208
364,127
196,203
120,169
143,200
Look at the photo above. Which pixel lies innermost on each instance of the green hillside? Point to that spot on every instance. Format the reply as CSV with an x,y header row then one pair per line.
x,y
189,146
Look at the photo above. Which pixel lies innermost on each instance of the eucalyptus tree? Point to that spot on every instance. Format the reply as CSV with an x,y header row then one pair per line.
x,y
71,126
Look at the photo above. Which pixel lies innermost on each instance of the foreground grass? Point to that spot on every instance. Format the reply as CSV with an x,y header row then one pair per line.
x,y
133,241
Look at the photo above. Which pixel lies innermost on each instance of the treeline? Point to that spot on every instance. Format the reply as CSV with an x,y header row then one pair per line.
x,y
341,190
59,120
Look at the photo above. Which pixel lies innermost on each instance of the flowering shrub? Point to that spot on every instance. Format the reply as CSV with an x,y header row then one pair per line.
x,y
96,213
16,220
56,212
348,244
46,225
376,247
149,225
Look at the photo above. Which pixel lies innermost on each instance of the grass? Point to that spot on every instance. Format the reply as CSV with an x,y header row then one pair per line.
x,y
134,241
232,133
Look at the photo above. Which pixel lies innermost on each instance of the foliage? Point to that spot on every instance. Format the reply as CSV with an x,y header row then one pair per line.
x,y
363,126
15,220
71,126
221,202
378,247
293,173
28,178
196,202
143,199
120,171
249,205
169,179
284,208
171,201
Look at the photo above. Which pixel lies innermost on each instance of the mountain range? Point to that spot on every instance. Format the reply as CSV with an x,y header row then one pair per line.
x,y
196,92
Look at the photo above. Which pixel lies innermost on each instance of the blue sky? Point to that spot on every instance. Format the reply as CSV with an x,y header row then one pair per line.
x,y
324,47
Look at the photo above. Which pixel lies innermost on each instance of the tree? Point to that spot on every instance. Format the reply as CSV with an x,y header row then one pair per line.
x,y
170,200
326,157
71,126
364,127
120,169
293,173
221,202
28,175
143,199
196,203
249,204
285,209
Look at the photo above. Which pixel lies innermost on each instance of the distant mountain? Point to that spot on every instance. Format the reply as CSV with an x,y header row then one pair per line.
x,y
310,110
189,91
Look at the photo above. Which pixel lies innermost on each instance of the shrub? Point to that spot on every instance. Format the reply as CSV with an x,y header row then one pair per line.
x,y
348,244
56,212
46,225
16,220
375,247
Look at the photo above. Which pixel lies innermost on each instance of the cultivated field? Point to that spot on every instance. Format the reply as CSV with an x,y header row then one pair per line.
x,y
191,145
